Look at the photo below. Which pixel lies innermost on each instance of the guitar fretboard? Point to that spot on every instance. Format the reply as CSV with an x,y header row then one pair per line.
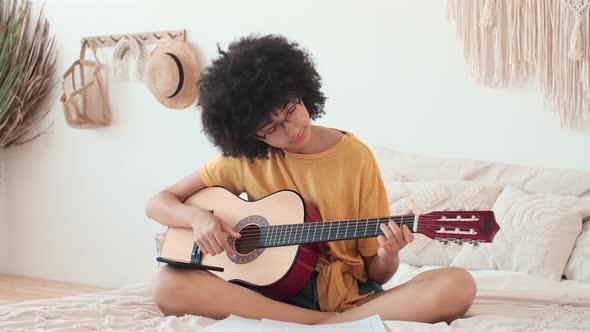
x,y
312,232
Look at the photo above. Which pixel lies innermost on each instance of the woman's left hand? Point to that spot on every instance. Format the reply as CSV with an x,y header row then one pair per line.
x,y
394,238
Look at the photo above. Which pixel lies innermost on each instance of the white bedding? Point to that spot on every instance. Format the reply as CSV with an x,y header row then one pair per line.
x,y
506,301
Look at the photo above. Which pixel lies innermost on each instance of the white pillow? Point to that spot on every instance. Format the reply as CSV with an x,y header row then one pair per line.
x,y
578,266
536,236
427,196
418,167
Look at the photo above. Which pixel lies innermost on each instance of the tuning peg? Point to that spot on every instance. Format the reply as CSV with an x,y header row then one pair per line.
x,y
459,242
442,240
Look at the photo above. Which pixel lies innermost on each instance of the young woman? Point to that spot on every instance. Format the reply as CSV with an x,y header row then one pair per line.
x,y
258,100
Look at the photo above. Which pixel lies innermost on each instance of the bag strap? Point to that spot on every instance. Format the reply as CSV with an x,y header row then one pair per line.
x,y
92,47
82,57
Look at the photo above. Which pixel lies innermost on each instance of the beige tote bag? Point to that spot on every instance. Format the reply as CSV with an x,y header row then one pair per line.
x,y
84,99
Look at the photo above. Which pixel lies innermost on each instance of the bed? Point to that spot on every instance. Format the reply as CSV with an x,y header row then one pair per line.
x,y
506,301
528,279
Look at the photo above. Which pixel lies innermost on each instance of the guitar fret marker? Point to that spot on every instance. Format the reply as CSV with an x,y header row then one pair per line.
x,y
271,228
265,237
314,230
377,228
301,236
345,231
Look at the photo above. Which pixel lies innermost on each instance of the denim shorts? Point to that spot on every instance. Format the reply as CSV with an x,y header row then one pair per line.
x,y
308,296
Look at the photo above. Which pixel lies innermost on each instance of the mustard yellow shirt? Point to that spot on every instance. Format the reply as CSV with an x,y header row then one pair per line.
x,y
342,182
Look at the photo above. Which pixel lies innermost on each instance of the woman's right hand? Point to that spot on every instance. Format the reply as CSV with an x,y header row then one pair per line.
x,y
211,233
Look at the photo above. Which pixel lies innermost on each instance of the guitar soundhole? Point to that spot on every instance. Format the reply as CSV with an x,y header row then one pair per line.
x,y
247,243
246,246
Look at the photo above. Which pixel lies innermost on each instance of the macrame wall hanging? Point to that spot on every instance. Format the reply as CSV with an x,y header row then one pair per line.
x,y
511,41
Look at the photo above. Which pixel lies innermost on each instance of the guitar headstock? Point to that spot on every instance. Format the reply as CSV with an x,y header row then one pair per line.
x,y
459,226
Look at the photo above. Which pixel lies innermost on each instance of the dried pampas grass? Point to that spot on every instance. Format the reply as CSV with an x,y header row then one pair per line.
x,y
27,66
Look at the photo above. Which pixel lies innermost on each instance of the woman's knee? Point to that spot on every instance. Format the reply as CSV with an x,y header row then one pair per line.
x,y
457,290
167,285
162,286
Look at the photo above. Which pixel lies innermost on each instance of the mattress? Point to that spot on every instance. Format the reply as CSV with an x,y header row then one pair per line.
x,y
506,301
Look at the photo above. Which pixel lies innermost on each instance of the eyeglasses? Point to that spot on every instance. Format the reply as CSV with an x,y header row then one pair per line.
x,y
274,132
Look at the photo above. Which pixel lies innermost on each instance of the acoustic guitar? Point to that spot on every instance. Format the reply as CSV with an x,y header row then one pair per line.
x,y
282,237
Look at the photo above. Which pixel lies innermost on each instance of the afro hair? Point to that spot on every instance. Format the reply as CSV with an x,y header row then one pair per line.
x,y
242,87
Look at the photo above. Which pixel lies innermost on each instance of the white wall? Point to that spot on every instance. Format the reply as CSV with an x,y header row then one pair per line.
x,y
3,217
393,72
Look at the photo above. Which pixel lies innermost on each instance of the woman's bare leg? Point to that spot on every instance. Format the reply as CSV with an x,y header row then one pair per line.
x,y
437,295
179,291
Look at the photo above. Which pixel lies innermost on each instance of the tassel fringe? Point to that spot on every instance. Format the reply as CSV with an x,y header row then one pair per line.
x,y
508,42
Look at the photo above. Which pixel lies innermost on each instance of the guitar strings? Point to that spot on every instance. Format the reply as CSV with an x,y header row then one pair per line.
x,y
254,239
349,225
337,234
269,229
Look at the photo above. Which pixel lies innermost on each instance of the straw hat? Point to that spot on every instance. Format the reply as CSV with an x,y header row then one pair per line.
x,y
171,74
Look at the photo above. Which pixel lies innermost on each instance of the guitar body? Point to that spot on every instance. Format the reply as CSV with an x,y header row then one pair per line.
x,y
278,272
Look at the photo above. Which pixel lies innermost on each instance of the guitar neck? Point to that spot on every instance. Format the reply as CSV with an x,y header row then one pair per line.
x,y
313,232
